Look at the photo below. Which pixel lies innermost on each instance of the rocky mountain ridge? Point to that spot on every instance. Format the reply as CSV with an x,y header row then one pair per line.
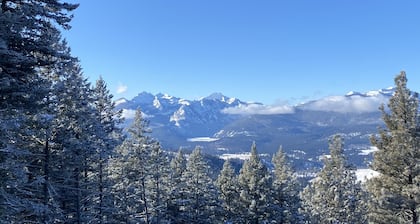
x,y
225,125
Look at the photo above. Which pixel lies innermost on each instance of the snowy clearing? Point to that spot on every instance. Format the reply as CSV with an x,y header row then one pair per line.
x,y
364,174
366,152
241,156
202,139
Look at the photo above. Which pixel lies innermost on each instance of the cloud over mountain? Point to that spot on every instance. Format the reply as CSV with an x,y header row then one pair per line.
x,y
260,109
347,104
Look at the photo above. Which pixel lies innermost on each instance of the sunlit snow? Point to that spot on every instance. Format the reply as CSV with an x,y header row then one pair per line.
x,y
241,156
128,113
202,139
364,174
167,96
368,151
156,103
178,116
120,101
184,102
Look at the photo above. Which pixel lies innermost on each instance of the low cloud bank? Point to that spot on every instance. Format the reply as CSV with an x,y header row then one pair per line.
x,y
259,109
347,104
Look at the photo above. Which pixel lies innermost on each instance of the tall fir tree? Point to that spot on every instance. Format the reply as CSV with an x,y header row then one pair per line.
x,y
396,190
75,128
158,184
36,140
29,31
107,138
286,199
129,173
227,183
334,196
255,190
175,198
201,203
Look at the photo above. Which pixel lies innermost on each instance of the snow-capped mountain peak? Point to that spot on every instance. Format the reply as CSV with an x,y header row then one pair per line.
x,y
220,97
120,101
216,96
143,97
171,111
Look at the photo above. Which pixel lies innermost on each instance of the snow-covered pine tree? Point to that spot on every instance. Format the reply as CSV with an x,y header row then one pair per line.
x,y
227,183
128,170
158,183
75,126
286,199
28,31
28,35
395,193
175,198
334,196
201,203
107,138
255,190
36,138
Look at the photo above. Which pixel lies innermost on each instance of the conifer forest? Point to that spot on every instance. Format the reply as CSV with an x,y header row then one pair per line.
x,y
64,157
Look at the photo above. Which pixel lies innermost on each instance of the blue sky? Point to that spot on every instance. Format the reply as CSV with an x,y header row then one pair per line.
x,y
266,51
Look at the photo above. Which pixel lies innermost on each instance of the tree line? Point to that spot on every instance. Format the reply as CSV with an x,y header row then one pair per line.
x,y
65,159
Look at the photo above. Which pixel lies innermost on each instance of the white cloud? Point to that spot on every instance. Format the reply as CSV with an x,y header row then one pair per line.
x,y
259,109
121,88
347,104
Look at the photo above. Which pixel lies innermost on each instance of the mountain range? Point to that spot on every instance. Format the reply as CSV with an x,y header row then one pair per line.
x,y
226,126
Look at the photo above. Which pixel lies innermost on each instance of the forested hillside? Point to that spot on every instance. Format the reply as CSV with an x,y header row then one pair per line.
x,y
64,158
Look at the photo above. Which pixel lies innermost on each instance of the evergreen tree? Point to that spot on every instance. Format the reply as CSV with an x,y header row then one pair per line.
x,y
227,183
176,197
396,192
29,32
36,141
158,183
74,134
129,174
255,190
107,137
286,199
334,196
201,204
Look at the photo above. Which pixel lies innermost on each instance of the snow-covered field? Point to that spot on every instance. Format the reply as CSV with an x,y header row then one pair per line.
x,y
202,139
364,174
241,156
368,151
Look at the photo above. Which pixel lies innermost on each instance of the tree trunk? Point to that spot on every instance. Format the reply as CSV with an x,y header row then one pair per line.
x,y
78,196
46,171
101,189
146,210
